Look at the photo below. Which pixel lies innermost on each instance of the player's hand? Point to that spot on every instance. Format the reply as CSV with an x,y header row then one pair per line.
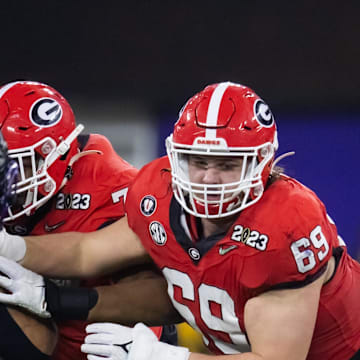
x,y
117,342
12,246
23,287
107,339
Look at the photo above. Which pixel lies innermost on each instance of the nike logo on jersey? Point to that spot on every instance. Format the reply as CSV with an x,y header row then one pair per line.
x,y
49,228
223,251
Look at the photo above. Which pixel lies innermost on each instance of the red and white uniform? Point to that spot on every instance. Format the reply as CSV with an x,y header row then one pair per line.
x,y
282,241
93,197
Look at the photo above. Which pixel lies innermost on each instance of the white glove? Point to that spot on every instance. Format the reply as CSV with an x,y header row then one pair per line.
x,y
12,246
118,342
26,288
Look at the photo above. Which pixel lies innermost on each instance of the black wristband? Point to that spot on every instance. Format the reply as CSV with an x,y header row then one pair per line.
x,y
69,303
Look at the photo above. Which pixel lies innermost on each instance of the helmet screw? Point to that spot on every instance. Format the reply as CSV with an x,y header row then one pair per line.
x,y
264,151
258,190
48,187
46,148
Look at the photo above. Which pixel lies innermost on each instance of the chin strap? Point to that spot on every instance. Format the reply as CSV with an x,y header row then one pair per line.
x,y
64,146
279,158
75,158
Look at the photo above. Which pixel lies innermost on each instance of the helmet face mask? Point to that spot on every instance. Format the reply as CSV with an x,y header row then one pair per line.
x,y
221,122
34,185
8,175
39,127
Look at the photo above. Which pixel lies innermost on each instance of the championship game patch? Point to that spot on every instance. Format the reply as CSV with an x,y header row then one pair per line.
x,y
158,233
45,112
148,205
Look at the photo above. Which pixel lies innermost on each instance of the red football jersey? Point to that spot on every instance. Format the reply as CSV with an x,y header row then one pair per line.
x,y
93,197
282,241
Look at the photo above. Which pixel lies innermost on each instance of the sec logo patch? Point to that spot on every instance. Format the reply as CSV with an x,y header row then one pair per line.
x,y
158,233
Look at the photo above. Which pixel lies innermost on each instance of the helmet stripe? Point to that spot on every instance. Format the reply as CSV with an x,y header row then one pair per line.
x,y
213,110
6,87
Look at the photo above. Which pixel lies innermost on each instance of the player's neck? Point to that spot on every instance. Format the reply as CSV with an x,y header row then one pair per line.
x,y
215,226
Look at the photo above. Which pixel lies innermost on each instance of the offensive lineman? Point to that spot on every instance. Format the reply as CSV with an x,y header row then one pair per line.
x,y
66,182
250,255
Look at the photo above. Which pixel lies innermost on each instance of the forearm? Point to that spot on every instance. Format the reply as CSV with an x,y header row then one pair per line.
x,y
135,300
42,333
76,254
55,255
80,255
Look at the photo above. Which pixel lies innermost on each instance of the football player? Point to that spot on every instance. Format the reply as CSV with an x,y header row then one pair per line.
x,y
250,256
67,181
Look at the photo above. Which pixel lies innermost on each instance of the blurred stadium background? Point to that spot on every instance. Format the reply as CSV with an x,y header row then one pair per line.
x,y
128,67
